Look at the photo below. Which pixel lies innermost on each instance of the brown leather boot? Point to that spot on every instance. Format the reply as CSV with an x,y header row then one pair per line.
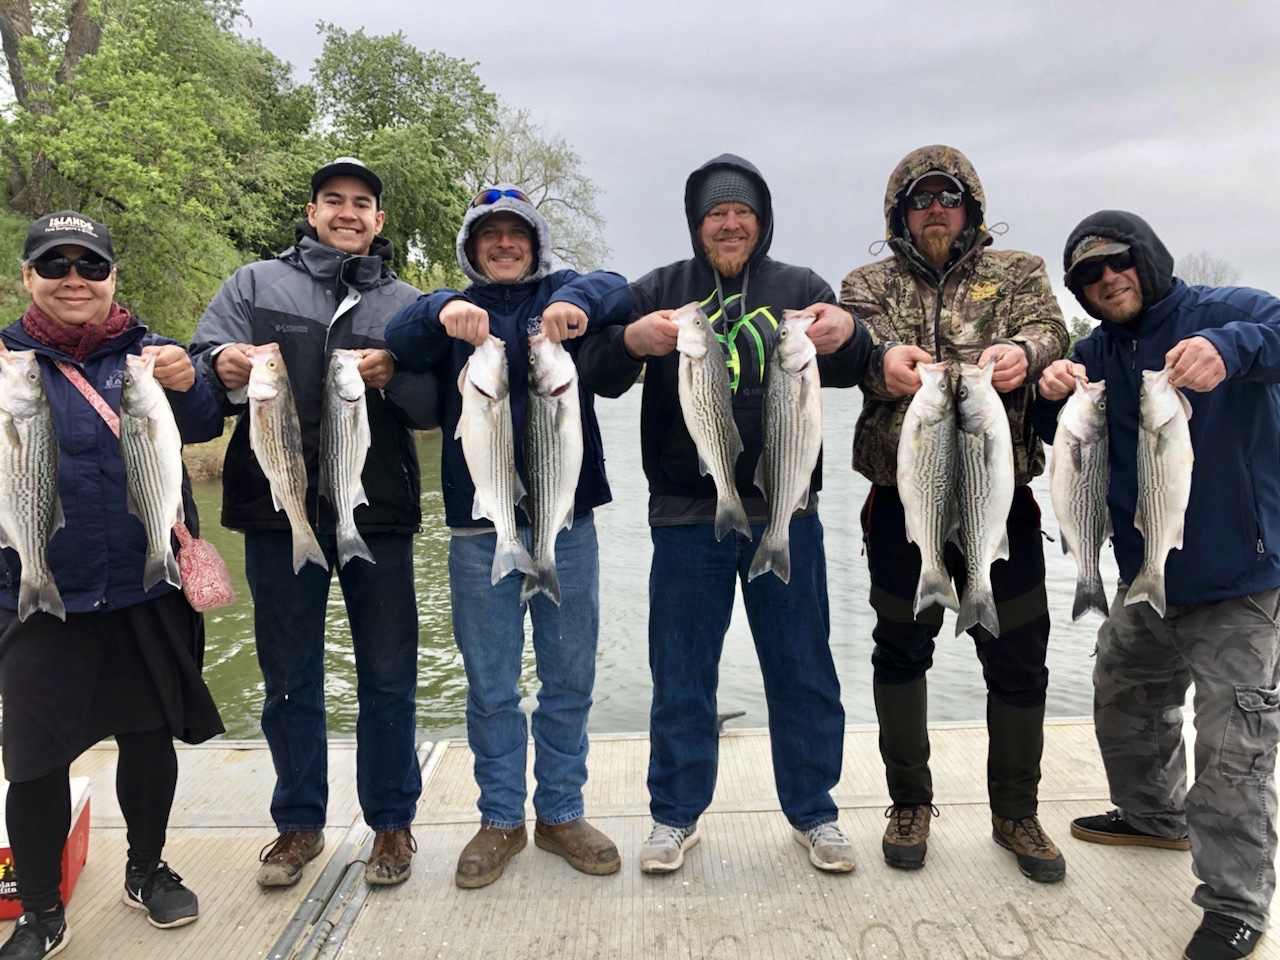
x,y
283,859
1038,857
486,854
391,859
583,846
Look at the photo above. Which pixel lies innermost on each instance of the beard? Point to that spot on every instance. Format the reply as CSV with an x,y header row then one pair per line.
x,y
1125,312
935,244
730,266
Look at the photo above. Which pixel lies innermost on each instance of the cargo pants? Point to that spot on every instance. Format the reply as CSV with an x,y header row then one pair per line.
x,y
1229,650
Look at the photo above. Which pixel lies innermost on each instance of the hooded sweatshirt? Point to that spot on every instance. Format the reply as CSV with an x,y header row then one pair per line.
x,y
980,297
745,312
1231,538
421,343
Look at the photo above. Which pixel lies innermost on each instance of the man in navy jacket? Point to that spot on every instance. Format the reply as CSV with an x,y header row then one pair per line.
x,y
1219,629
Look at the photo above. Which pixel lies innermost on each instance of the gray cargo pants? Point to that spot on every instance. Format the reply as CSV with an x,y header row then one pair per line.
x,y
1229,650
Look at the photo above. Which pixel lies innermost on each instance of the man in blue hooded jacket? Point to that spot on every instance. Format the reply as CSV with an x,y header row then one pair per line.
x,y
504,246
1222,588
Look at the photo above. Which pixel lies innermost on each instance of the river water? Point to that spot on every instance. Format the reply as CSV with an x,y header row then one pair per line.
x,y
622,692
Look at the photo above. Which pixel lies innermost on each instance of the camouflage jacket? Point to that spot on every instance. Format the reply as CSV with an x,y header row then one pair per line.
x,y
983,296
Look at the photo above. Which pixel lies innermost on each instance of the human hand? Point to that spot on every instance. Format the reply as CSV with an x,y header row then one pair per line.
x,y
173,367
563,321
232,366
901,378
832,327
653,335
376,367
1058,380
463,320
1011,365
1197,365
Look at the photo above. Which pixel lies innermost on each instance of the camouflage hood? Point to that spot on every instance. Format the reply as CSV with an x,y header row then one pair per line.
x,y
916,164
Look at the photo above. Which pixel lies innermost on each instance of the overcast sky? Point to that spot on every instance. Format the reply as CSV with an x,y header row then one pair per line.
x,y
1170,110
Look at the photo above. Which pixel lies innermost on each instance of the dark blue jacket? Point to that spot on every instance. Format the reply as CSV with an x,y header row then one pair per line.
x,y
98,556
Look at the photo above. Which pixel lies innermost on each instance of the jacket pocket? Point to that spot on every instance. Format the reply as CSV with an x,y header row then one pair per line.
x,y
1253,728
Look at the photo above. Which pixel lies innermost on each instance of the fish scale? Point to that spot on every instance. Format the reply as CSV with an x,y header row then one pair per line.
x,y
1078,479
344,446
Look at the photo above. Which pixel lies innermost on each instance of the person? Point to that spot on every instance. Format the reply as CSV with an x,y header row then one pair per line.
x,y
504,247
101,655
1222,587
333,289
743,291
945,295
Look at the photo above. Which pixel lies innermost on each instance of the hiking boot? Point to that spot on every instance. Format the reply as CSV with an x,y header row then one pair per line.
x,y
1038,857
583,846
486,854
34,938
1220,937
391,859
283,859
1111,828
156,889
664,851
906,837
829,848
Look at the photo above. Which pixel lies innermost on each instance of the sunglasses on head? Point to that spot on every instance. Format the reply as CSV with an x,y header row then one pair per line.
x,y
923,199
1091,271
493,195
89,268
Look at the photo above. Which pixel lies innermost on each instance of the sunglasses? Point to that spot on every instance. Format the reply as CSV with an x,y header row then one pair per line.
x,y
1091,272
493,195
89,268
923,199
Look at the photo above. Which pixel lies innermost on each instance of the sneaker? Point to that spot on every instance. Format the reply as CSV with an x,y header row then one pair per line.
x,y
1111,828
34,938
486,854
905,838
391,859
1038,857
664,851
1220,937
156,889
283,859
581,845
829,848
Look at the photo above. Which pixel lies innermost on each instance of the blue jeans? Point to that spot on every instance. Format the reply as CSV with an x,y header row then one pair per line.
x,y
488,626
288,619
691,587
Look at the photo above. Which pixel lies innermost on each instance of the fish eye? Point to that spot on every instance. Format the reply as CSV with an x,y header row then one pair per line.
x,y
1102,404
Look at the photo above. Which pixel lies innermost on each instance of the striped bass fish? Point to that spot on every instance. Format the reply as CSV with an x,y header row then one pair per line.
x,y
927,482
152,451
706,402
1165,460
552,457
1078,477
344,444
30,508
792,440
276,441
984,490
488,447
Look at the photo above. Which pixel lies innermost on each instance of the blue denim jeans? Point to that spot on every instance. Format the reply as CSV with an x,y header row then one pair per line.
x,y
488,626
691,588
288,617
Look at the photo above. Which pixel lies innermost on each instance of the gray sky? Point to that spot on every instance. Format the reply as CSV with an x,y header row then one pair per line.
x,y
1168,110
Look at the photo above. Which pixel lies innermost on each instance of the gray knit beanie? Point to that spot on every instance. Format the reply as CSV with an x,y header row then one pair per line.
x,y
727,185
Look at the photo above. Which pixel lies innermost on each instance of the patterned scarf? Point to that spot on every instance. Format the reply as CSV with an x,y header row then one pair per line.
x,y
76,342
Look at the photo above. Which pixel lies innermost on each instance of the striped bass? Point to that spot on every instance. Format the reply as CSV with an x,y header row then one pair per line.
x,y
344,444
706,402
30,507
1078,478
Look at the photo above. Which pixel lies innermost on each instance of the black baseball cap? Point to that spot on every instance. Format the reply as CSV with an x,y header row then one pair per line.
x,y
346,167
67,227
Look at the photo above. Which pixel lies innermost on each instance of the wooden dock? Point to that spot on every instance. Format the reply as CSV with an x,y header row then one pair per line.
x,y
747,891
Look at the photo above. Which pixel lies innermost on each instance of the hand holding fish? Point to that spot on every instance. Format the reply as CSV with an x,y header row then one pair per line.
x,y
376,367
901,378
1011,365
831,329
232,366
563,321
1059,379
463,320
1197,365
173,368
653,335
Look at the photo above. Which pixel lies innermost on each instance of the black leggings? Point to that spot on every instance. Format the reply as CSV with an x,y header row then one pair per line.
x,y
38,814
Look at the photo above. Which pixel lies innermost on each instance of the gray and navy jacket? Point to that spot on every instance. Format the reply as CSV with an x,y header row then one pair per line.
x,y
1231,539
97,558
421,343
312,300
746,322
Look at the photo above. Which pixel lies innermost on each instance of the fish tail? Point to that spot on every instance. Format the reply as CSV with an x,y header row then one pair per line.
x,y
935,587
978,608
352,545
544,579
511,555
307,547
37,595
773,554
731,516
1089,596
1149,587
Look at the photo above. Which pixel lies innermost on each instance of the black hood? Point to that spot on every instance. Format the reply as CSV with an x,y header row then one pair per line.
x,y
381,246
1152,260
694,218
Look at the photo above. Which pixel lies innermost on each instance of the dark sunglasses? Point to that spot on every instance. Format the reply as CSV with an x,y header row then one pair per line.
x,y
493,195
923,199
1091,272
89,268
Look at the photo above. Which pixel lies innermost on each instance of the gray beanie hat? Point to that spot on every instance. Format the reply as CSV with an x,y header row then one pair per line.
x,y
727,185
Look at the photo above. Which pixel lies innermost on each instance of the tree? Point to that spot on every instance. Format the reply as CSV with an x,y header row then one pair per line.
x,y
1204,269
546,168
1077,327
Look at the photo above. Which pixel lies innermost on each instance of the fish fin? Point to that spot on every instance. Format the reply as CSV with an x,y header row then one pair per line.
x,y
1146,586
322,477
978,611
772,556
510,556
935,587
11,436
1175,541
43,596
1077,454
736,443
1186,404
518,490
462,380
153,571
703,468
352,545
1138,523
731,516
545,580
759,478
307,547
1089,596
132,504
1062,536
360,498
6,541
1002,550
803,500
477,509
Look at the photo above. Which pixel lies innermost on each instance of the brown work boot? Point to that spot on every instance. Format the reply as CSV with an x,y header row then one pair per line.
x,y
583,846
283,860
486,854
1038,857
391,858
905,838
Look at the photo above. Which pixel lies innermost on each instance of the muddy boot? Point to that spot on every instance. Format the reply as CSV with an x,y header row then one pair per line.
x,y
902,710
1016,742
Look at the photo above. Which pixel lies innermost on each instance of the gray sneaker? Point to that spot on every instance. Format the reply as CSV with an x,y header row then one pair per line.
x,y
829,848
664,851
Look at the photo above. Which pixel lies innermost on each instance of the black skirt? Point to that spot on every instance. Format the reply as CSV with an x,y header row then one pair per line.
x,y
66,686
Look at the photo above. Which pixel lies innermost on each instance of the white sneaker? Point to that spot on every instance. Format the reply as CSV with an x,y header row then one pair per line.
x,y
664,851
829,848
